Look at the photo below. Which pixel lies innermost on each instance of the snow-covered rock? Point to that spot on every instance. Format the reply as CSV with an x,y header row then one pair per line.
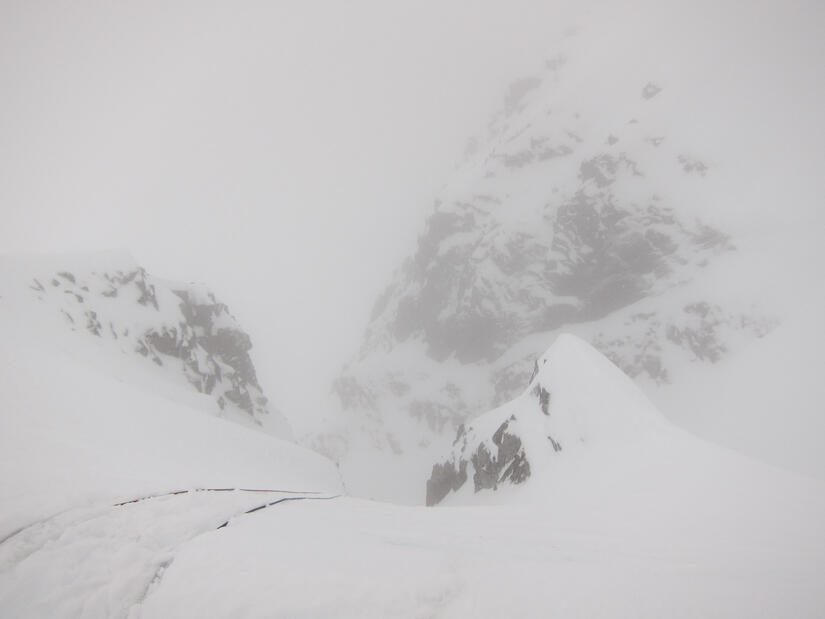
x,y
179,328
575,399
564,216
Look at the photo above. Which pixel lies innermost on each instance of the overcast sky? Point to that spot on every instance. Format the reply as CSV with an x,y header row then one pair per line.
x,y
284,153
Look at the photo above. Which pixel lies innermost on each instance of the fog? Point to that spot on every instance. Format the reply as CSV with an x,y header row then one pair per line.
x,y
288,154
533,288
285,155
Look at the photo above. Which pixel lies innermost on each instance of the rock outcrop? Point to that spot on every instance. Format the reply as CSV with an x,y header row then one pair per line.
x,y
180,327
575,400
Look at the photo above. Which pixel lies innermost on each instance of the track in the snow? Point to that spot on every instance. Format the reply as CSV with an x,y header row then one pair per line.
x,y
176,492
288,498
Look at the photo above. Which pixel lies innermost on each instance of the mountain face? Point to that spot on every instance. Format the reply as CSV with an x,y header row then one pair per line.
x,y
558,218
179,328
575,400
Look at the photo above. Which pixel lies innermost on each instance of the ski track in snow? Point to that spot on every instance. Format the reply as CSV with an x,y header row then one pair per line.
x,y
104,561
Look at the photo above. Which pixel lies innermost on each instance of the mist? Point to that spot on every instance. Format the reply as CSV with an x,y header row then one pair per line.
x,y
289,156
376,309
286,155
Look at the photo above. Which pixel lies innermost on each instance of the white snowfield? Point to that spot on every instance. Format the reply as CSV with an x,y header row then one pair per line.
x,y
639,520
673,532
72,436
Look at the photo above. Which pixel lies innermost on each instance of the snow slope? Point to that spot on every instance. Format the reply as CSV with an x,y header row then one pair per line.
x,y
722,539
126,318
644,529
101,561
86,423
642,521
766,401
70,436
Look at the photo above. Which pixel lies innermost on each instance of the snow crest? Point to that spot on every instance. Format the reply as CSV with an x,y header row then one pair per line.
x,y
577,399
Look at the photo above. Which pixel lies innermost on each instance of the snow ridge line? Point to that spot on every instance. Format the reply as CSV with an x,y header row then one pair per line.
x,y
287,498
176,492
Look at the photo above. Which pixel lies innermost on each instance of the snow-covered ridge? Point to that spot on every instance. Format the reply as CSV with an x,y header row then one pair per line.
x,y
180,328
576,399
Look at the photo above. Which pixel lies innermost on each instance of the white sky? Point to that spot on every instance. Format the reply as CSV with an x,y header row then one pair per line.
x,y
284,153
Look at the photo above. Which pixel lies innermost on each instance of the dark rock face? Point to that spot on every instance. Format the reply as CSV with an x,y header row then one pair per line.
x,y
543,397
176,325
508,464
611,255
594,255
227,346
445,478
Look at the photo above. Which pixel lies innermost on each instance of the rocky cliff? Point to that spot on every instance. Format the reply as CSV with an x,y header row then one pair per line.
x,y
558,218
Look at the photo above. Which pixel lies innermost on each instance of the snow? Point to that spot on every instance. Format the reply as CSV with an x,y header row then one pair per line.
x,y
659,534
767,400
84,425
634,518
720,539
70,437
100,561
640,520
613,543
